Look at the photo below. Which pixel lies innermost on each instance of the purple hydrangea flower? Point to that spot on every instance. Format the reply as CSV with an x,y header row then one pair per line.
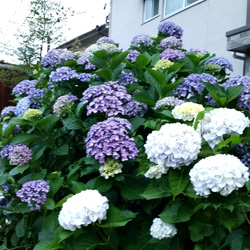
x,y
19,155
34,193
36,96
127,78
109,98
67,56
22,106
85,77
172,54
136,109
9,110
63,104
168,102
110,139
220,61
6,150
202,52
52,58
104,39
83,60
63,74
24,87
132,55
171,42
170,28
142,40
245,159
193,84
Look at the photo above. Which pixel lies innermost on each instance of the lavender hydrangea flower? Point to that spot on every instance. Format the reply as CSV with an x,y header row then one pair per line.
x,y
83,60
9,110
171,42
127,78
199,51
136,109
132,55
170,29
104,39
142,40
36,96
6,150
68,55
34,193
22,106
193,84
168,102
24,87
85,77
220,61
172,54
63,104
19,155
52,58
110,139
63,74
109,98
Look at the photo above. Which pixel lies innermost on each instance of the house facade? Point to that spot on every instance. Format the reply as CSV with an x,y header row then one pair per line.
x,y
213,25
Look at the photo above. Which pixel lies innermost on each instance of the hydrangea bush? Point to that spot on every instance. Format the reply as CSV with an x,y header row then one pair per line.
x,y
138,149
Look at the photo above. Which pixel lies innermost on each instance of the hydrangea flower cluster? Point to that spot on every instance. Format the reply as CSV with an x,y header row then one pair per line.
x,y
168,102
31,113
85,77
142,40
68,55
83,208
163,64
127,78
22,106
187,111
19,155
8,111
170,29
135,109
63,104
132,55
92,48
83,60
109,47
52,58
193,84
63,74
172,54
199,51
161,230
6,150
34,193
218,173
220,122
24,87
245,159
110,139
220,61
155,172
35,97
104,39
109,98
174,145
171,42
110,168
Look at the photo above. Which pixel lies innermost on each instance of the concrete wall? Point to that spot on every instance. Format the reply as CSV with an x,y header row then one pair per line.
x,y
205,24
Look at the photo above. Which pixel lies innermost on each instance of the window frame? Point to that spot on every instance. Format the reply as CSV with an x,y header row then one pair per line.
x,y
154,12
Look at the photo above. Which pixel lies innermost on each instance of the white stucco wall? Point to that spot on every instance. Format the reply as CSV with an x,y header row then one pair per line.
x,y
205,24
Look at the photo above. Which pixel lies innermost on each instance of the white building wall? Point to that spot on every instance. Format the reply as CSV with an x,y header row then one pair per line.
x,y
205,24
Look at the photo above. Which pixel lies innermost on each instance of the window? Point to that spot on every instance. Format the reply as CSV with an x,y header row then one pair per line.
x,y
172,6
151,9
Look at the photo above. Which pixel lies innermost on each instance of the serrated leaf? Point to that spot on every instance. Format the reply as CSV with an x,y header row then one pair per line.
x,y
77,187
50,222
62,150
49,204
141,60
72,123
21,227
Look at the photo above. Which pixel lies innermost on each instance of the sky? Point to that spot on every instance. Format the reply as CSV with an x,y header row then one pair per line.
x,y
89,14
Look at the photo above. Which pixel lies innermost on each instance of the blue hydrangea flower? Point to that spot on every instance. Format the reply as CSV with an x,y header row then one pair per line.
x,y
200,51
136,109
68,55
24,87
36,97
19,155
83,60
34,193
170,29
63,74
142,40
110,139
193,84
52,58
127,78
172,54
85,77
9,110
171,42
22,106
109,98
104,39
63,104
132,55
220,61
6,150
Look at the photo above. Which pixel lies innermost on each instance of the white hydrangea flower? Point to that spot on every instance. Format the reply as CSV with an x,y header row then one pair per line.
x,y
219,122
174,145
155,172
110,168
161,230
219,173
187,111
83,208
